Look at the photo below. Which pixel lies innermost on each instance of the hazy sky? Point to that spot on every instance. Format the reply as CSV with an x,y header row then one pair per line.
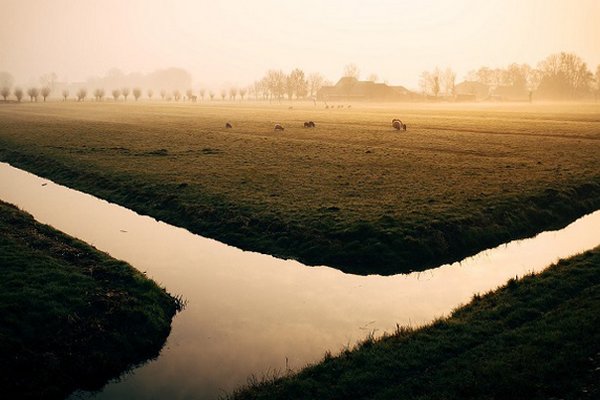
x,y
237,41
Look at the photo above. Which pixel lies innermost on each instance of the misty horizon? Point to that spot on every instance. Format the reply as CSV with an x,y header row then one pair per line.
x,y
233,44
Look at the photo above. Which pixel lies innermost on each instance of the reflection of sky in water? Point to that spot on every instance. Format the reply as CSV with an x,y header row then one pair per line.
x,y
247,312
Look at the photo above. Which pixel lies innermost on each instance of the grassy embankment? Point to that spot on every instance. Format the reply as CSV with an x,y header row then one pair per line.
x,y
71,317
352,193
535,338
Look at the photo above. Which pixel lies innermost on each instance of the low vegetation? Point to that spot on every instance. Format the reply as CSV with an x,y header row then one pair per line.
x,y
70,316
353,193
534,338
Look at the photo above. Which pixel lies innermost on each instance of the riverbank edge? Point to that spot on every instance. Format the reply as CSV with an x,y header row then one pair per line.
x,y
536,337
391,247
71,317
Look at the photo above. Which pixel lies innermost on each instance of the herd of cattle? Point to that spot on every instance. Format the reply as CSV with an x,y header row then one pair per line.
x,y
396,124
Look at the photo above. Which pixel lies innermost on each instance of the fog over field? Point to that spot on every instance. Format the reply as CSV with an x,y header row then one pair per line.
x,y
232,43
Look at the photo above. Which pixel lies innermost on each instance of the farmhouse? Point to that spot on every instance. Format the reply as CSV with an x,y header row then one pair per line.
x,y
471,91
349,88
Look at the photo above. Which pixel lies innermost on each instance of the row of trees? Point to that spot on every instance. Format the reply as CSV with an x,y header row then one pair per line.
x,y
560,76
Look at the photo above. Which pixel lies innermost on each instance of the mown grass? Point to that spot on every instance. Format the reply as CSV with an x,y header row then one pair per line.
x,y
71,317
352,193
535,338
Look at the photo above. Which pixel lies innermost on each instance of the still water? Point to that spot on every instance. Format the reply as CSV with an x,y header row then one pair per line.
x,y
251,313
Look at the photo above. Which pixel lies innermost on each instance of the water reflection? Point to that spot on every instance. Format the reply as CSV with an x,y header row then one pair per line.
x,y
248,312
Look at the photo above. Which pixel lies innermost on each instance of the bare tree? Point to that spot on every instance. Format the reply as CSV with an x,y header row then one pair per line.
x,y
81,94
233,93
223,94
45,92
137,92
372,77
201,92
189,93
33,93
150,93
430,82
18,93
49,80
211,94
564,75
6,80
275,83
351,71
65,94
176,94
315,82
163,93
99,94
449,81
5,92
296,84
243,92
116,93
597,80
125,92
257,89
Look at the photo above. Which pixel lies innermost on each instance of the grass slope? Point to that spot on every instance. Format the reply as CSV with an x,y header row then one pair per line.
x,y
535,338
70,316
352,193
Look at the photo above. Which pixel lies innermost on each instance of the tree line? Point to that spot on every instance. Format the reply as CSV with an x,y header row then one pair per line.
x,y
558,76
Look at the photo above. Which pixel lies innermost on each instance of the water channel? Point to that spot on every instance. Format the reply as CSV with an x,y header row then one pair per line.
x,y
251,313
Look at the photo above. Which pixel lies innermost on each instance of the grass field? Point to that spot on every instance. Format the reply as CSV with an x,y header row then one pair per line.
x,y
70,316
535,338
351,193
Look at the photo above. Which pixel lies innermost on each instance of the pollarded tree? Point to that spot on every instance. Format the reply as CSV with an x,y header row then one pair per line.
x,y
150,93
33,93
6,80
163,93
189,93
176,94
116,93
65,94
18,94
243,92
125,92
99,94
81,94
211,94
137,92
45,92
233,93
223,94
5,92
201,92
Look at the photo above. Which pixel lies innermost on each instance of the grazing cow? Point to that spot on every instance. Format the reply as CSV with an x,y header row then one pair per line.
x,y
278,127
228,125
309,124
306,125
397,124
194,98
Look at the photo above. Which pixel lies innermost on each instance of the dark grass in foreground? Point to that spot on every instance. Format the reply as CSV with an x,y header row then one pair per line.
x,y
353,193
535,338
71,317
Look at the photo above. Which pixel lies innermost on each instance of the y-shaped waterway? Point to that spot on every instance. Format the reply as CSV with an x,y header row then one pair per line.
x,y
251,313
